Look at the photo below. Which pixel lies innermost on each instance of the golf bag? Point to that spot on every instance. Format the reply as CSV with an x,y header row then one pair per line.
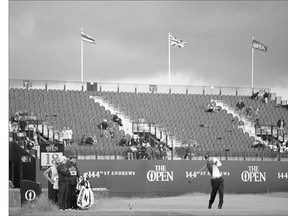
x,y
85,197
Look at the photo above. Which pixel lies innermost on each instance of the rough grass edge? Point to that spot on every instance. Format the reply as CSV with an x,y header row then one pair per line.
x,y
39,206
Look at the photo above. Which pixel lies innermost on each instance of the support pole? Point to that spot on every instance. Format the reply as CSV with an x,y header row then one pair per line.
x,y
82,67
169,75
252,65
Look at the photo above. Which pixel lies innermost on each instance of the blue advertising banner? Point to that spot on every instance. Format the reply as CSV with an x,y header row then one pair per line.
x,y
172,177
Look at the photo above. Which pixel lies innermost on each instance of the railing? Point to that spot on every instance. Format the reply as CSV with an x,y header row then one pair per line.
x,y
102,153
137,88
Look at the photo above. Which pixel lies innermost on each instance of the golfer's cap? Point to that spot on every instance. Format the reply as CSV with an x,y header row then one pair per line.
x,y
62,158
73,156
206,156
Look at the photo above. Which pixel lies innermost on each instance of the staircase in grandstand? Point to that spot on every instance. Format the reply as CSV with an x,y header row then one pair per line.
x,y
129,123
248,126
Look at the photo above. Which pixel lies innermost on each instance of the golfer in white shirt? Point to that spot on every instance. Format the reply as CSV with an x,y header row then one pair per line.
x,y
217,182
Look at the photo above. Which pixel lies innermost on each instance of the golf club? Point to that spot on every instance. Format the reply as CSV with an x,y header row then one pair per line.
x,y
196,174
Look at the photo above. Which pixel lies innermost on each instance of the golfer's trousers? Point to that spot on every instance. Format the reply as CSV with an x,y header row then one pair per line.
x,y
217,185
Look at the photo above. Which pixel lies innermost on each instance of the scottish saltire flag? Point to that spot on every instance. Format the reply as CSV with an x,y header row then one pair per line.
x,y
87,38
259,46
177,42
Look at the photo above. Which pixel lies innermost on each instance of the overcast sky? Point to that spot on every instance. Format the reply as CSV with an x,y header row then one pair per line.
x,y
132,42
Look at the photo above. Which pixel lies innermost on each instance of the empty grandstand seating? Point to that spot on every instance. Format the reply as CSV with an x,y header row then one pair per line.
x,y
183,115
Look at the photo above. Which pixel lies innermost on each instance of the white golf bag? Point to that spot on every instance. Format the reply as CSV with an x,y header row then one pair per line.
x,y
85,197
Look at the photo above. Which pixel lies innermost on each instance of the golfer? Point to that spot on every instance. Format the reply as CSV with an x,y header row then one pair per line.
x,y
217,182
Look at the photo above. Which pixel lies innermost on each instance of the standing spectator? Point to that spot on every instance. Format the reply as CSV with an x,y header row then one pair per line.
x,y
249,112
69,135
134,140
22,125
63,173
104,127
281,126
117,119
255,96
240,106
257,117
149,151
162,150
123,141
142,152
72,179
265,97
217,182
51,175
65,136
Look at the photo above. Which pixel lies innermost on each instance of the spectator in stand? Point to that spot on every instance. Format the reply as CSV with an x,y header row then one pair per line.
x,y
22,125
122,141
210,108
64,173
83,140
249,112
240,106
142,151
134,140
30,129
281,126
163,152
188,149
65,136
257,117
51,174
265,97
89,140
104,127
273,145
69,135
149,151
117,119
255,96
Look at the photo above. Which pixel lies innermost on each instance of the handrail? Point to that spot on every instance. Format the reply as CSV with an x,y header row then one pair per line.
x,y
134,88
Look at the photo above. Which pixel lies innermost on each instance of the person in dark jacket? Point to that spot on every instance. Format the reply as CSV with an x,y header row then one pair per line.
x,y
72,179
281,126
117,119
63,173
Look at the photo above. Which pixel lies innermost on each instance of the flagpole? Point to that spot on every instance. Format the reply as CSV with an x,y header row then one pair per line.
x,y
252,63
82,67
169,75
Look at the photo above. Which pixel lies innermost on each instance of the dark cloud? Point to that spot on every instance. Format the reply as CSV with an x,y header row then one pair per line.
x,y
132,40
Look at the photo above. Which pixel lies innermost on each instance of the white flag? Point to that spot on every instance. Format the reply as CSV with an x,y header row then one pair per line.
x,y
87,38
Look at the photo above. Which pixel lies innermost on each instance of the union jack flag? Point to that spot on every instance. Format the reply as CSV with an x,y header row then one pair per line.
x,y
177,42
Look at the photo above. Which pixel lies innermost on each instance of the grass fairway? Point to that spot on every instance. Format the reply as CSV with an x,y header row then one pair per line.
x,y
192,204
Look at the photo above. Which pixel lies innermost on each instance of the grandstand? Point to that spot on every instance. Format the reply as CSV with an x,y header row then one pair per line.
x,y
173,115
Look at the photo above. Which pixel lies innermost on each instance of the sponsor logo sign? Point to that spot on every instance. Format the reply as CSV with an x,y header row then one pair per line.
x,y
30,195
159,173
253,174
